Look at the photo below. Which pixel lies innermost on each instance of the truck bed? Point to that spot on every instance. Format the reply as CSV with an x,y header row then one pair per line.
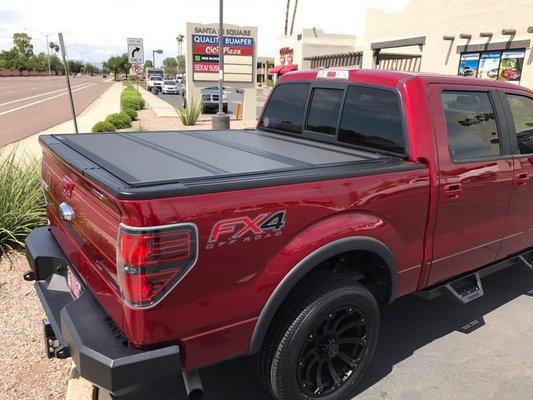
x,y
158,164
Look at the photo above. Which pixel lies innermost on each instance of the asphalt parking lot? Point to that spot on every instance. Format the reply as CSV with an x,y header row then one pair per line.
x,y
439,350
177,100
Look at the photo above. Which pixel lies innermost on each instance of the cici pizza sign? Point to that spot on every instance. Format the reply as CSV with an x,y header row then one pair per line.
x,y
238,58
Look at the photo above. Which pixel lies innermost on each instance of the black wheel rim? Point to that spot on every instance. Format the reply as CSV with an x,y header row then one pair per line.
x,y
332,352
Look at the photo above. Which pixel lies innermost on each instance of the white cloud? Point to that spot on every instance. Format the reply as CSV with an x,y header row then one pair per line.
x,y
99,28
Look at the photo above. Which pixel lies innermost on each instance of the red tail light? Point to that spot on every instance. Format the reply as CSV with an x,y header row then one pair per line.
x,y
151,261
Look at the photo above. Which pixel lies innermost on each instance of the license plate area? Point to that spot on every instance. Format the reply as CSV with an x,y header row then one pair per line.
x,y
74,285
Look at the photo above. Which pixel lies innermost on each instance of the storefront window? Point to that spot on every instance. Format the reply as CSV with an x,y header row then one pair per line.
x,y
501,65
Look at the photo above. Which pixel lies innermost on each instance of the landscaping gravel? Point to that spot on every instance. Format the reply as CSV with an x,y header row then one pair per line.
x,y
26,371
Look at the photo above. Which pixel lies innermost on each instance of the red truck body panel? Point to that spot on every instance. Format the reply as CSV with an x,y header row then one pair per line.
x,y
213,311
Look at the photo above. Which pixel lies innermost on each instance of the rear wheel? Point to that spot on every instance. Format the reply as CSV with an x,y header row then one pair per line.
x,y
321,342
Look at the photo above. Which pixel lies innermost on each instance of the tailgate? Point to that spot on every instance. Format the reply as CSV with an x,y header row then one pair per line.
x,y
85,221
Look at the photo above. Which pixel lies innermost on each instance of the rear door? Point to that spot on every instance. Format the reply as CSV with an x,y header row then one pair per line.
x,y
518,105
475,178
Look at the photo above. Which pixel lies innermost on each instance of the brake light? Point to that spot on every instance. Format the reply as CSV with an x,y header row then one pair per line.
x,y
151,261
335,74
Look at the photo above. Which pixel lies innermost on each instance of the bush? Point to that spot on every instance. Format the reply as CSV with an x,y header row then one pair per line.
x,y
21,200
131,113
132,101
119,120
104,126
190,115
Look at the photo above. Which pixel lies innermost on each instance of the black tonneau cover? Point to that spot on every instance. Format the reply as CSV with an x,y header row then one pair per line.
x,y
155,164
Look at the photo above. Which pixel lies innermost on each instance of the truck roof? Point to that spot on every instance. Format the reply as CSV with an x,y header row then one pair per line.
x,y
392,79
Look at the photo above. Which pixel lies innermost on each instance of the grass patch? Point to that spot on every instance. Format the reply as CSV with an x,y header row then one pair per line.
x,y
190,115
21,200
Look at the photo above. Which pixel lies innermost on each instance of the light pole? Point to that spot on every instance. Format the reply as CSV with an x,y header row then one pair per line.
x,y
46,35
220,120
153,55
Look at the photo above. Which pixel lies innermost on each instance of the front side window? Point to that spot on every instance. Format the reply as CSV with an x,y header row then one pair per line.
x,y
372,118
522,112
324,110
285,109
471,125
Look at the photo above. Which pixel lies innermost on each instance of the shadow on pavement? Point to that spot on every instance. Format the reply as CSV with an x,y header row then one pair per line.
x,y
407,325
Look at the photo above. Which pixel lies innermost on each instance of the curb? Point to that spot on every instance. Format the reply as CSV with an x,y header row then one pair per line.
x,y
79,388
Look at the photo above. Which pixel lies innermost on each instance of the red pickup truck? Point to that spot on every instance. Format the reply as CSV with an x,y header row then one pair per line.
x,y
172,251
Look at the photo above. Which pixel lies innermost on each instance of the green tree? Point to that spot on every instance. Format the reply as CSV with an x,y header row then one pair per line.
x,y
117,64
148,64
22,44
75,67
125,65
113,64
181,64
170,66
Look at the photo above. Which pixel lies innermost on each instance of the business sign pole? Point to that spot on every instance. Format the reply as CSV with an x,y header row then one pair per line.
x,y
221,120
67,72
221,58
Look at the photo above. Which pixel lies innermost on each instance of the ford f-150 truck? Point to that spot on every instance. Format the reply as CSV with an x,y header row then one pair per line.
x,y
172,251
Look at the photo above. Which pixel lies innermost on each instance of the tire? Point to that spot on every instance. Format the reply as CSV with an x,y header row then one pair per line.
x,y
325,320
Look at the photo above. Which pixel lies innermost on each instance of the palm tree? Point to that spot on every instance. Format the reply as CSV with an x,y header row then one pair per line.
x,y
287,16
294,15
179,39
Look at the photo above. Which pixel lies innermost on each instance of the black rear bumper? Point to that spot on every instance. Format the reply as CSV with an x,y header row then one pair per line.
x,y
83,329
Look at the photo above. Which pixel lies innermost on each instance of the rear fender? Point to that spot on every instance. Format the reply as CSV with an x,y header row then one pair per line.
x,y
323,240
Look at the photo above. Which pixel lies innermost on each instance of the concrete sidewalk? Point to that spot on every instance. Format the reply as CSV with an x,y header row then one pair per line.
x,y
159,106
107,103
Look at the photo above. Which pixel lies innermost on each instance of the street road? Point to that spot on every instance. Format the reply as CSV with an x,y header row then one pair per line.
x,y
438,349
31,104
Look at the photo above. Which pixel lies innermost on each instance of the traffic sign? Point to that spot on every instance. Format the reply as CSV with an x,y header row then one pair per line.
x,y
137,68
135,51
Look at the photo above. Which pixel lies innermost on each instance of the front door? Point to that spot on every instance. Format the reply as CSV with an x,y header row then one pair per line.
x,y
518,105
475,178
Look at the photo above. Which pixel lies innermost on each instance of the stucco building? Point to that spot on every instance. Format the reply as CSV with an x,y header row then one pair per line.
x,y
490,39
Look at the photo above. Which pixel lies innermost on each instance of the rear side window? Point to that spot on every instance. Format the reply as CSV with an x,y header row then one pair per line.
x,y
324,110
372,118
286,108
471,125
522,112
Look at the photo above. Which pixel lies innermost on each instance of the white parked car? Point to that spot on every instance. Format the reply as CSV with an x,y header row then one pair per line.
x,y
171,87
153,82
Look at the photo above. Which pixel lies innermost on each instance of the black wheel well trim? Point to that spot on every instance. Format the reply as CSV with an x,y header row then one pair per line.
x,y
352,243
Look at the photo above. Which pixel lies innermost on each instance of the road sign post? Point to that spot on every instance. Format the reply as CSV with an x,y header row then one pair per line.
x,y
64,55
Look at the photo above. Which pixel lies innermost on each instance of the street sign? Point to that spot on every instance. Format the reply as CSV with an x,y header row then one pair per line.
x,y
135,51
137,68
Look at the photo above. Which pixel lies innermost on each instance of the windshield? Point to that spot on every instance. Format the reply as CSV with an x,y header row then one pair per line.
x,y
169,83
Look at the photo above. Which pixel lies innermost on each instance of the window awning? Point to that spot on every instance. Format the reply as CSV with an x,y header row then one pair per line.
x,y
275,70
288,68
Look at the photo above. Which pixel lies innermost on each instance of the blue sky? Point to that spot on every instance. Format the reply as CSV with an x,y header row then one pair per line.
x,y
99,28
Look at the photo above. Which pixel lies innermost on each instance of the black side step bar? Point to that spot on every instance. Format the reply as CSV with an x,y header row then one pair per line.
x,y
468,287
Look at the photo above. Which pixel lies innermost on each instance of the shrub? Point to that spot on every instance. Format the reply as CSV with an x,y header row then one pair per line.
x,y
21,200
131,113
132,101
119,120
104,126
190,115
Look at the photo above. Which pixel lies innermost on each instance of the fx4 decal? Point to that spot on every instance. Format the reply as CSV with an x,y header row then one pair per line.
x,y
246,228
